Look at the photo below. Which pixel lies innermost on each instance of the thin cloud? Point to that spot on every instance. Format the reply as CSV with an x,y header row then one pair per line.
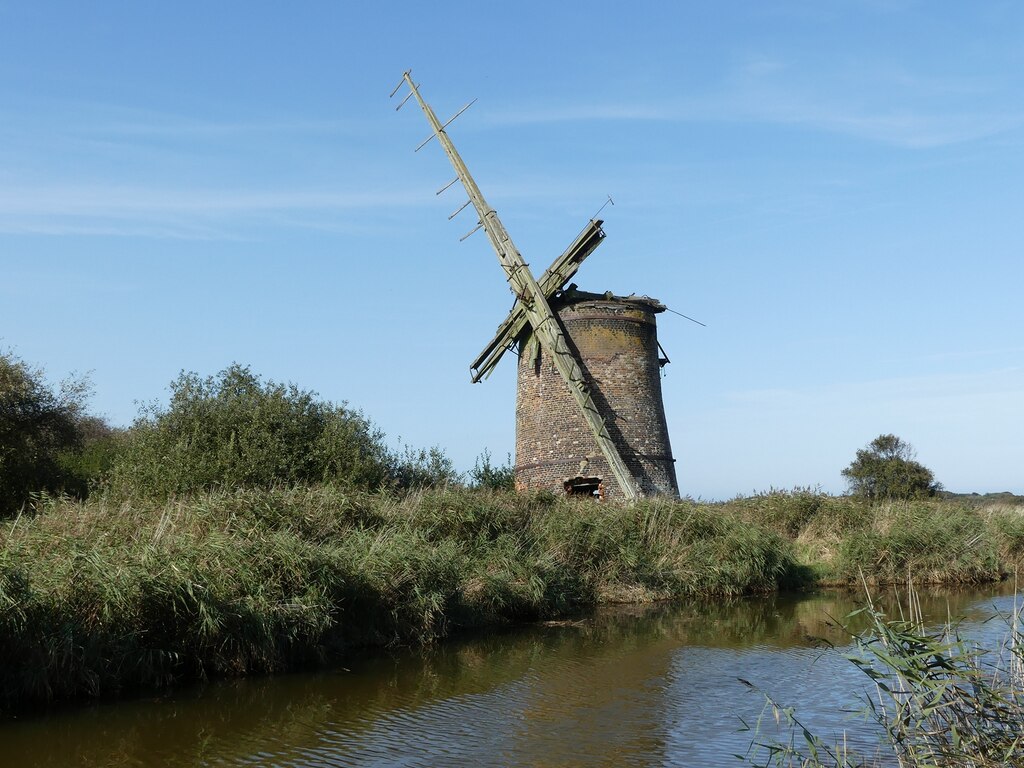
x,y
572,113
191,128
886,105
51,227
112,200
182,213
906,127
98,119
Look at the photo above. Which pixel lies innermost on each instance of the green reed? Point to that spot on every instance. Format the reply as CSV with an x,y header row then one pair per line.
x,y
116,593
940,700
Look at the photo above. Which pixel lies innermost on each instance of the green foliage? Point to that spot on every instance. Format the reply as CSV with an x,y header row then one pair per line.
x,y
943,703
485,474
38,425
86,467
419,468
837,538
114,593
1008,526
235,430
107,595
886,470
940,700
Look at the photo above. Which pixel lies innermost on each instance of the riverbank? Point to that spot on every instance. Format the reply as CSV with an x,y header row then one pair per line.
x,y
105,596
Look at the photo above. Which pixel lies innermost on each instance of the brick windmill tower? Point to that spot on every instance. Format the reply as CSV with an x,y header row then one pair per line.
x,y
589,413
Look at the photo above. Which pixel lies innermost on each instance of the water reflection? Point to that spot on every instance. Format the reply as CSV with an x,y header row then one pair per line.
x,y
645,687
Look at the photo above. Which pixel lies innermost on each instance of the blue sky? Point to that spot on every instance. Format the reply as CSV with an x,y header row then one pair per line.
x,y
835,189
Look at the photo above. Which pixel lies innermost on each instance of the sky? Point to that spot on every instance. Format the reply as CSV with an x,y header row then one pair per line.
x,y
833,188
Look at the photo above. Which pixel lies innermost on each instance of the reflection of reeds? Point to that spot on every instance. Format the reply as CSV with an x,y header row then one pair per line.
x,y
942,700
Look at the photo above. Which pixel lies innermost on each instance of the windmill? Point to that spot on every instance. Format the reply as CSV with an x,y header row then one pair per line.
x,y
540,331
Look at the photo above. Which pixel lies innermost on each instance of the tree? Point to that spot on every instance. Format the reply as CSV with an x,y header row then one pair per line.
x,y
886,469
38,426
235,429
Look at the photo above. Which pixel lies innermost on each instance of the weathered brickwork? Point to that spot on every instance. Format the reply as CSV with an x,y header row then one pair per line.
x,y
616,341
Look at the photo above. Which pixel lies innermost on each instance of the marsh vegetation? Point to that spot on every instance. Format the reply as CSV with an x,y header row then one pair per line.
x,y
249,526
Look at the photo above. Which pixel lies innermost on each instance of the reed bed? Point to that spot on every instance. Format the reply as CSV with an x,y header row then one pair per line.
x,y
114,594
103,596
839,539
941,700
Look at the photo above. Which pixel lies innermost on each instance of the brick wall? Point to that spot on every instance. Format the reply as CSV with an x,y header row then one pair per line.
x,y
616,342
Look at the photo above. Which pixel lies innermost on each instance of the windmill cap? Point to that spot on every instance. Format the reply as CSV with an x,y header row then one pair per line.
x,y
572,295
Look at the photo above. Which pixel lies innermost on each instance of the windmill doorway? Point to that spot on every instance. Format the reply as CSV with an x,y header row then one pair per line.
x,y
587,486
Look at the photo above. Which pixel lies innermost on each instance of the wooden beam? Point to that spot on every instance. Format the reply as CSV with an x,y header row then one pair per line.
x,y
538,312
553,279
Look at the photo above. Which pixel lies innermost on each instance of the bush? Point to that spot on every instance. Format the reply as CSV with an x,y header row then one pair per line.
x,y
38,424
235,430
494,477
85,467
418,468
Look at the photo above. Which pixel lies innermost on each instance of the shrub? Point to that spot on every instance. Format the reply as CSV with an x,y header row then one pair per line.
x,y
237,430
85,467
37,425
495,477
418,468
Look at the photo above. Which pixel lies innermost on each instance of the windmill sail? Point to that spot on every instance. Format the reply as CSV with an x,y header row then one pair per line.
x,y
535,305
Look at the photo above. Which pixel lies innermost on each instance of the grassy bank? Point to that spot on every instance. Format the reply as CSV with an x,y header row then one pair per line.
x,y
107,595
835,539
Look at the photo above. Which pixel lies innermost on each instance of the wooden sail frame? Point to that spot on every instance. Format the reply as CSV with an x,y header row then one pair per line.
x,y
531,297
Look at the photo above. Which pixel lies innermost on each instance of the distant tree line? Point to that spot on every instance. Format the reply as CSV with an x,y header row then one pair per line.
x,y
234,429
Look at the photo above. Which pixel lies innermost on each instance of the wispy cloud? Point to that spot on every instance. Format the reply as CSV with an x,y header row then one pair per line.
x,y
203,213
176,126
890,106
166,231
175,212
901,126
114,121
100,199
579,112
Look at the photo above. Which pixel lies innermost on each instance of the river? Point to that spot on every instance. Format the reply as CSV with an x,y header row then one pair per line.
x,y
640,686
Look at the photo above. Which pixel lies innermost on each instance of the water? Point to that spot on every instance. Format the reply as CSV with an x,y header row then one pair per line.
x,y
654,686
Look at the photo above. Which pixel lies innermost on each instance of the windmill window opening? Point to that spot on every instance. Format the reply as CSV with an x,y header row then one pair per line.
x,y
587,486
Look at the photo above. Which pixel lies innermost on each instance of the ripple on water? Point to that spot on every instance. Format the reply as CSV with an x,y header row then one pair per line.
x,y
638,688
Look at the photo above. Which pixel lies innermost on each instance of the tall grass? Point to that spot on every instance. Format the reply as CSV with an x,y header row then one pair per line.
x,y
103,596
941,700
934,541
115,593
